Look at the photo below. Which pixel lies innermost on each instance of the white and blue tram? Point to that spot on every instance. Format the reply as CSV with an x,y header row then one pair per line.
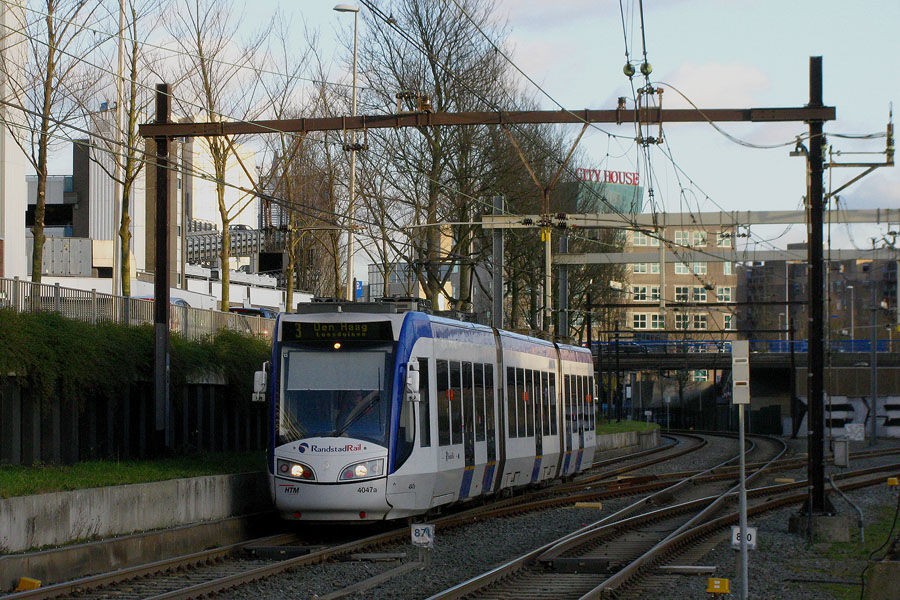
x,y
377,412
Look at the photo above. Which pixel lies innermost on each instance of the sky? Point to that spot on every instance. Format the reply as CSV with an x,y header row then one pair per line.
x,y
720,54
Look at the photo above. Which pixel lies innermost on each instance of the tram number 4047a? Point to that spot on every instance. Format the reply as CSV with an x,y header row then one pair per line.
x,y
736,537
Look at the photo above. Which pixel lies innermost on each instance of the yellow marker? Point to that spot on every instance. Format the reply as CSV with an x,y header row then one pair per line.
x,y
893,481
717,586
26,584
784,480
596,505
624,477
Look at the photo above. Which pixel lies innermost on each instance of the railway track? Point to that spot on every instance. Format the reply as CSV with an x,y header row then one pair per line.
x,y
211,571
629,567
207,573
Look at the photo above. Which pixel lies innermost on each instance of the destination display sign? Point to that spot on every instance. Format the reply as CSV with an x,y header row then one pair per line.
x,y
376,331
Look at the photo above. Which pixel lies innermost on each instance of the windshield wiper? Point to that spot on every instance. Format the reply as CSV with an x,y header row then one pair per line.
x,y
355,415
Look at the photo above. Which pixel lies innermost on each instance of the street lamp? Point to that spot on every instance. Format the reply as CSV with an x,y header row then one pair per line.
x,y
852,318
355,10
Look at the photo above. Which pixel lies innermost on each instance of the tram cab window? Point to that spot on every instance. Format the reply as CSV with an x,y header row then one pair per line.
x,y
511,403
442,378
406,432
424,404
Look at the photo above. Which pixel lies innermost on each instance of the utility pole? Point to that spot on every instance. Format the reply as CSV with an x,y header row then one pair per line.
x,y
497,266
873,357
161,276
816,373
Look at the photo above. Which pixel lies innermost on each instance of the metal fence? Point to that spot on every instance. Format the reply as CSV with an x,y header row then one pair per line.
x,y
96,307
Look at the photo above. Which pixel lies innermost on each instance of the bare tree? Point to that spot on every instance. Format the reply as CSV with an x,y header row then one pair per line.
x,y
46,89
221,85
431,57
119,150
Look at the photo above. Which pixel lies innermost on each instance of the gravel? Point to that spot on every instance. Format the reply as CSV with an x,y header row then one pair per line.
x,y
466,552
782,556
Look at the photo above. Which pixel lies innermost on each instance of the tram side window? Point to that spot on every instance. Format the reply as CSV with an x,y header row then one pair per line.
x,y
528,399
455,403
479,402
489,404
592,415
577,406
567,403
552,387
521,402
511,401
442,379
545,404
582,402
424,413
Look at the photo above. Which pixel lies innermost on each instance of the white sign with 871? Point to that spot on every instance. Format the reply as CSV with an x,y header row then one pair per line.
x,y
422,535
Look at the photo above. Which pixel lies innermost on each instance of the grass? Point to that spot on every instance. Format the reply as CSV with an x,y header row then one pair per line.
x,y
613,427
23,481
852,556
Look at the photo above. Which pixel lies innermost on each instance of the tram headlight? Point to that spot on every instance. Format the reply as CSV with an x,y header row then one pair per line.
x,y
294,470
363,470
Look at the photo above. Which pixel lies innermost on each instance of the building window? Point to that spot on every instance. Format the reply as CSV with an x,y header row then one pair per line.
x,y
657,321
654,293
639,321
699,239
701,375
639,267
639,292
724,294
727,268
729,321
681,321
699,268
681,293
699,321
654,268
723,240
639,238
682,238
699,293
682,269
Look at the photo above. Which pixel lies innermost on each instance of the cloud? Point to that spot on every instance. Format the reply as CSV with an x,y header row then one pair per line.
x,y
716,85
880,189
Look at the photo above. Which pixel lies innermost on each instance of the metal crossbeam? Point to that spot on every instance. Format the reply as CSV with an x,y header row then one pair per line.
x,y
428,119
703,220
715,255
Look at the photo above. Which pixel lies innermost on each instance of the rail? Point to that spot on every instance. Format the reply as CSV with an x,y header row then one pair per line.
x,y
96,307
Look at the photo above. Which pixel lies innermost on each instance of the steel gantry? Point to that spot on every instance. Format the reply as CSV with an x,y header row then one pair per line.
x,y
815,113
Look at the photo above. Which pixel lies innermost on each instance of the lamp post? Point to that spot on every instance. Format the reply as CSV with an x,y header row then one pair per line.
x,y
355,10
852,319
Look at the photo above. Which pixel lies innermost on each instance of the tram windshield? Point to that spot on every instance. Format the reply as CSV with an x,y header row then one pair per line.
x,y
336,394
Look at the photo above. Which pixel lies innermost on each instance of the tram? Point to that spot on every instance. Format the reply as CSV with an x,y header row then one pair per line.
x,y
382,411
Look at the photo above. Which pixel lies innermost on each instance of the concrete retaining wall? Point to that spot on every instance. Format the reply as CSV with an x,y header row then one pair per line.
x,y
611,445
63,517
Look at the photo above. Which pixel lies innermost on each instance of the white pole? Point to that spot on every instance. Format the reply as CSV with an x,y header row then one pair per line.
x,y
117,284
745,568
350,210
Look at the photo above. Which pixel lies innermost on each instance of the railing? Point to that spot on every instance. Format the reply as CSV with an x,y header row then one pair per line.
x,y
96,307
714,346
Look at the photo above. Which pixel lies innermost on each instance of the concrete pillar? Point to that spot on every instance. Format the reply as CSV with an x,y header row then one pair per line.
x,y
13,164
